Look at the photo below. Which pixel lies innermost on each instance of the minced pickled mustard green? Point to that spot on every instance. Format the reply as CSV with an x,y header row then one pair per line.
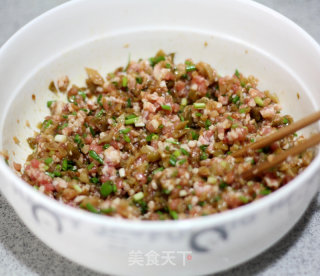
x,y
152,141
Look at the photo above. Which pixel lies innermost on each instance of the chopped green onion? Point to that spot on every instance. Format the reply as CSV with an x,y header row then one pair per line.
x,y
207,124
52,175
285,120
258,101
57,174
199,105
203,147
174,214
72,99
223,185
194,135
99,114
90,166
94,180
182,161
177,153
230,118
131,116
95,156
47,123
93,133
106,188
235,99
184,76
64,165
204,156
126,138
99,100
49,103
237,73
131,119
158,170
77,188
48,161
242,110
172,141
124,81
139,80
234,126
166,191
155,60
129,103
173,160
295,134
181,118
166,107
82,94
108,210
184,152
138,196
190,68
63,126
105,146
198,114
265,192
168,65
91,208
244,199
125,130
151,137
77,139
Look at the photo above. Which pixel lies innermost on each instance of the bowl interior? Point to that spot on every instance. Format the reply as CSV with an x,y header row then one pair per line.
x,y
223,52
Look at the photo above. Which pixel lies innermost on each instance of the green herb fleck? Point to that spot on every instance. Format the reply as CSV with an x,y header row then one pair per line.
x,y
139,80
223,185
106,188
124,81
158,170
49,103
82,94
265,192
244,199
48,161
95,156
258,101
91,208
166,107
199,105
235,99
99,100
237,73
174,214
155,60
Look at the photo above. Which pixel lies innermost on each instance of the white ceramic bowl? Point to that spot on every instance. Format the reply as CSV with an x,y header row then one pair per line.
x,y
240,34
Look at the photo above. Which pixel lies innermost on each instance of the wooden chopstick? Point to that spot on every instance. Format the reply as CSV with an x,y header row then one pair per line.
x,y
255,171
281,133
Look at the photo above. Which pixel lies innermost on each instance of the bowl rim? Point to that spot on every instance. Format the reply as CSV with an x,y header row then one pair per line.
x,y
184,224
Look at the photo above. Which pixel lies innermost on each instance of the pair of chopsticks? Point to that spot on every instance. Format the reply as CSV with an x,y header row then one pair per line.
x,y
283,132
